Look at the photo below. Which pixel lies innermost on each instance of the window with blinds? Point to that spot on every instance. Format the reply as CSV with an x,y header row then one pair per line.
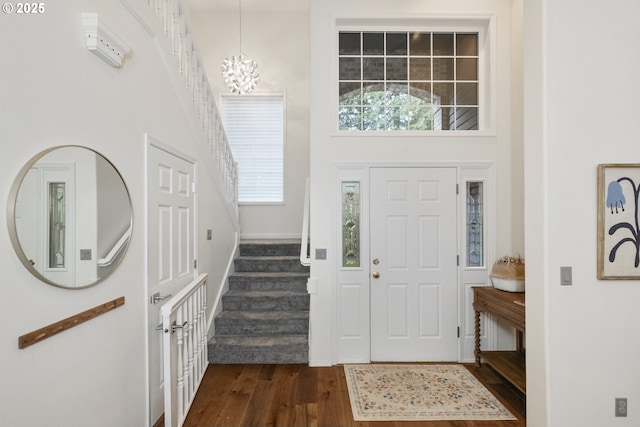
x,y
255,129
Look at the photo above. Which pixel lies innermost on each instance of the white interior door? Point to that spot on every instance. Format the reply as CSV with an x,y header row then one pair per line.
x,y
414,297
171,250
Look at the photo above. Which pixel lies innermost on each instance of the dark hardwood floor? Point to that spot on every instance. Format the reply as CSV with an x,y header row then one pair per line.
x,y
298,396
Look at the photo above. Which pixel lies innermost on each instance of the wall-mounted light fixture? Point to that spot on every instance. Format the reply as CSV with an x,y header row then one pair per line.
x,y
102,41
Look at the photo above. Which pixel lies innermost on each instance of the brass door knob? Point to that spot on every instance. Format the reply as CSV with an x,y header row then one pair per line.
x,y
376,275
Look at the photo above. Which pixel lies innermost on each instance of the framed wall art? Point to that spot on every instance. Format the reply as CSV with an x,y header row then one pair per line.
x,y
618,221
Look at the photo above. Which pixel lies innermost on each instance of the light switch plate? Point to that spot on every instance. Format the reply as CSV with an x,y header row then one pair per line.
x,y
566,276
85,254
321,254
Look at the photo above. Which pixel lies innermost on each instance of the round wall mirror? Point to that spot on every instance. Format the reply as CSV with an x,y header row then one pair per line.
x,y
69,217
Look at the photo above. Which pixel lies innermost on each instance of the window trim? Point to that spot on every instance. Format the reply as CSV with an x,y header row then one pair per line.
x,y
484,25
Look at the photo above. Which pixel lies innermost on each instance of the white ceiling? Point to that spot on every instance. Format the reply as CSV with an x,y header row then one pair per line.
x,y
247,5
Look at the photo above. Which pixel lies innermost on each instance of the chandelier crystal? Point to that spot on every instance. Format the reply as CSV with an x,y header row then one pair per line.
x,y
240,74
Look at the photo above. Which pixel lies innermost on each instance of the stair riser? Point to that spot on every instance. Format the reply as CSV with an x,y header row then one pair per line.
x,y
249,249
261,303
243,284
233,327
219,355
271,266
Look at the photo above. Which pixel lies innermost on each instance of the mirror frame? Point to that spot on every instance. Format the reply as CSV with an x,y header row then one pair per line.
x,y
11,210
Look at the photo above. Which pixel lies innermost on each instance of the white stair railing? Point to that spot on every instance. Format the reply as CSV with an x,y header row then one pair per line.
x,y
184,346
172,16
115,250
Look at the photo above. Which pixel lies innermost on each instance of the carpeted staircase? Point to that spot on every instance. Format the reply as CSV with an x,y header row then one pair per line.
x,y
265,313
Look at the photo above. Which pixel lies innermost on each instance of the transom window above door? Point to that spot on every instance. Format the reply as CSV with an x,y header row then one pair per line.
x,y
408,81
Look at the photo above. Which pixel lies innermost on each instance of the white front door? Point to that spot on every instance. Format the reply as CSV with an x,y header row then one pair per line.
x,y
414,288
171,250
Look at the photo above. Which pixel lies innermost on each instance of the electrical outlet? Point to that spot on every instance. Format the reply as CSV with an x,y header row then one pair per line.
x,y
621,406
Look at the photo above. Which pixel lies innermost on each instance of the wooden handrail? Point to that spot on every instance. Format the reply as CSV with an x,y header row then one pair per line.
x,y
55,328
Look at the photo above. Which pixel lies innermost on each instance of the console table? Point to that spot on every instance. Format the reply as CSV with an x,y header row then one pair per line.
x,y
507,306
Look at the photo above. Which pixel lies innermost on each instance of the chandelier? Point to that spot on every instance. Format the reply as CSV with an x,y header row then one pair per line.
x,y
239,72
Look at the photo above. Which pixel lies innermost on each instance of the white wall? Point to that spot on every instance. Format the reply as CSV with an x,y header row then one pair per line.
x,y
588,332
278,40
329,148
56,92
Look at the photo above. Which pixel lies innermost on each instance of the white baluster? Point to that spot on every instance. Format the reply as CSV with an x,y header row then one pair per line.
x,y
189,349
180,363
204,351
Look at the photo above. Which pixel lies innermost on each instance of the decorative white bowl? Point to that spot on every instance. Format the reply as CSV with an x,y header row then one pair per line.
x,y
509,285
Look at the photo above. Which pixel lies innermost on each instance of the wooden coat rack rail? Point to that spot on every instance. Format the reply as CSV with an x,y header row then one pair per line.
x,y
55,328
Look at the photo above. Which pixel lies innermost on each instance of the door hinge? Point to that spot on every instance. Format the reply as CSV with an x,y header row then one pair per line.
x,y
458,260
458,331
457,188
194,187
195,263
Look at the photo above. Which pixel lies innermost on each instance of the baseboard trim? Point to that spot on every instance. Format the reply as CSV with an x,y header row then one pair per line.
x,y
224,286
319,363
270,236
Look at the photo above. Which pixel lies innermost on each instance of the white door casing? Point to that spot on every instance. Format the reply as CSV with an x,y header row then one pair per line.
x,y
27,212
58,174
171,215
413,237
33,220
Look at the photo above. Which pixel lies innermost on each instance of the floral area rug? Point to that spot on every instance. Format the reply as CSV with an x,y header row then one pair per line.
x,y
381,392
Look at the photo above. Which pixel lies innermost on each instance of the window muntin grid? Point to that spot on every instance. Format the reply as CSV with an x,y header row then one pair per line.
x,y
408,80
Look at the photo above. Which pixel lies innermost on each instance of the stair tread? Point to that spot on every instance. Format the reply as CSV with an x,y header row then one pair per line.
x,y
269,257
270,242
264,315
276,293
274,274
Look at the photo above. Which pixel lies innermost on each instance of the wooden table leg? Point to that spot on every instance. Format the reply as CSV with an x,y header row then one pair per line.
x,y
476,351
519,340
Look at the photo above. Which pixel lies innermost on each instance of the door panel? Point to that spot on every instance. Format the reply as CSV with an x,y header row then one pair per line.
x,y
429,254
414,309
429,310
397,229
398,303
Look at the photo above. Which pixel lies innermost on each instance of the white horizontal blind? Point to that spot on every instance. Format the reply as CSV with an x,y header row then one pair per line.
x,y
255,130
